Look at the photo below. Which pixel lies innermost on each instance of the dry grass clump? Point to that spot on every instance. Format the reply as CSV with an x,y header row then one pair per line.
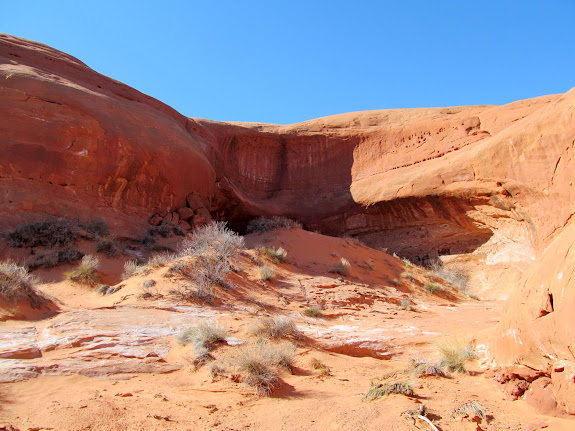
x,y
275,327
149,289
433,287
469,409
454,353
157,260
314,312
132,268
379,390
342,267
421,367
265,224
408,276
108,247
85,272
261,361
406,304
456,276
266,273
276,255
203,336
316,364
17,285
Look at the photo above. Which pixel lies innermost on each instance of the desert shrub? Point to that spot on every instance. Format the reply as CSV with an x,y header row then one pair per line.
x,y
108,247
421,367
147,240
408,276
85,272
266,273
216,369
17,285
98,227
454,353
406,261
157,260
214,239
342,267
203,336
265,224
215,247
148,289
456,276
132,268
278,255
275,327
103,289
432,287
47,234
55,258
316,364
406,303
202,359
313,312
469,409
261,361
379,390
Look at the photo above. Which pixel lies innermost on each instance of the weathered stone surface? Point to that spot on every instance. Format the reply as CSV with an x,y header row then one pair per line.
x,y
185,213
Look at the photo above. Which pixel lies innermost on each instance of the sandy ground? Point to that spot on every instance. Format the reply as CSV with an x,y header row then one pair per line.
x,y
113,362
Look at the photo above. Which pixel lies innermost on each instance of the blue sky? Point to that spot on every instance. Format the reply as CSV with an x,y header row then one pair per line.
x,y
285,62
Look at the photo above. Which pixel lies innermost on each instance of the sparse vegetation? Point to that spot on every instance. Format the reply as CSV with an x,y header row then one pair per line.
x,y
469,409
47,234
275,327
149,289
342,268
85,272
456,276
266,273
97,226
108,247
408,276
406,304
454,353
433,287
214,247
265,224
421,367
316,364
379,390
131,268
278,255
203,336
216,369
55,258
260,361
314,312
17,285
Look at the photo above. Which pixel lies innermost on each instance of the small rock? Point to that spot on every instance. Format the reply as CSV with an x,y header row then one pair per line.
x,y
185,213
194,202
124,394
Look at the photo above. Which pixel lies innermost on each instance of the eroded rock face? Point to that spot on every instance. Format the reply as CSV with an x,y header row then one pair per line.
x,y
77,143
